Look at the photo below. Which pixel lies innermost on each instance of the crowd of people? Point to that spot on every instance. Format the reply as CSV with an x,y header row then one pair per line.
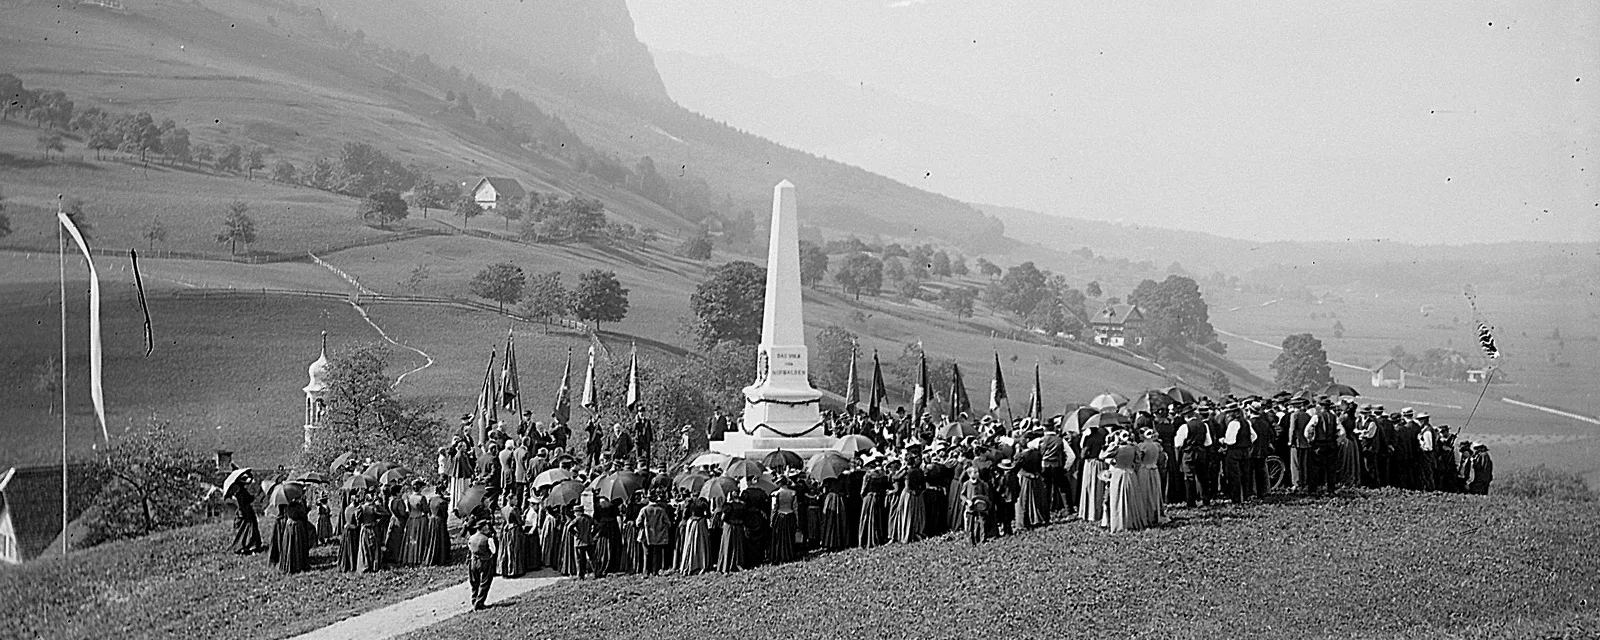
x,y
523,502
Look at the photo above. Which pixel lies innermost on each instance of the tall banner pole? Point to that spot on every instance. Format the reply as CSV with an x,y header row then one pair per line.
x,y
61,255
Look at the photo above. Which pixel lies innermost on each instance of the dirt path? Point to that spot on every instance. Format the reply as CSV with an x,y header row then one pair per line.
x,y
425,610
363,290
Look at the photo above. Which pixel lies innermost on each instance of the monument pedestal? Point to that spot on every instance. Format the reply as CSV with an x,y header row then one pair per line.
x,y
774,418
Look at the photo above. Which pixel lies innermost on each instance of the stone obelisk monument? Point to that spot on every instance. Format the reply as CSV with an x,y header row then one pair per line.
x,y
781,410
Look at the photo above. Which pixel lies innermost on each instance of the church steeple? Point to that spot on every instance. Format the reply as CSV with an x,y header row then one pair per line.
x,y
315,405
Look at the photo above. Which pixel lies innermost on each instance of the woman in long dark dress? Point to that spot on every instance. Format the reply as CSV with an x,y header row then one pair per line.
x,y
369,543
785,523
416,533
731,555
874,527
550,537
350,534
508,562
436,539
394,539
275,540
294,552
834,523
909,511
246,534
694,539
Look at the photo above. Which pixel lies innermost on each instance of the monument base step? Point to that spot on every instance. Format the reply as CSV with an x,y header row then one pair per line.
x,y
740,445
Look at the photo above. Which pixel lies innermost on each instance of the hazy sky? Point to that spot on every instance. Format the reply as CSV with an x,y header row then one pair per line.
x,y
1444,121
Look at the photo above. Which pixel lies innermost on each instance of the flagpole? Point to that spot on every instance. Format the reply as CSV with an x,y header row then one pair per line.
x,y
61,255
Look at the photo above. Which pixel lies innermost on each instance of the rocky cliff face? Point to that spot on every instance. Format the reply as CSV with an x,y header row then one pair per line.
x,y
591,41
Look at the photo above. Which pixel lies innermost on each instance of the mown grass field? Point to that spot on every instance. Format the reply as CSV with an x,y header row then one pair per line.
x,y
1382,564
184,583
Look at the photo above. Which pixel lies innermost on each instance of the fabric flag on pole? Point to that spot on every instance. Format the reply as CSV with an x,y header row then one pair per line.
x,y
919,394
879,393
563,411
487,402
96,391
997,386
587,399
959,403
510,388
1036,401
633,377
852,396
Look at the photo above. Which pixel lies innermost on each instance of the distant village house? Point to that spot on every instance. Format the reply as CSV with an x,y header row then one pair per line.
x,y
1389,374
1118,325
490,192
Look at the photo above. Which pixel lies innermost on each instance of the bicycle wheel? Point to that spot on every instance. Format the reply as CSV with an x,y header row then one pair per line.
x,y
1276,474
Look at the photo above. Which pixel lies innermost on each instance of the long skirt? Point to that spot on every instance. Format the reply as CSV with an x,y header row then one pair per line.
x,y
349,538
294,553
1154,493
933,506
606,552
324,528
834,534
731,557
369,549
246,534
394,540
632,550
458,488
435,541
954,510
275,542
550,539
532,555
1033,502
414,538
1122,501
1349,464
780,544
907,522
694,547
508,563
1140,507
569,556
874,527
1092,495
813,521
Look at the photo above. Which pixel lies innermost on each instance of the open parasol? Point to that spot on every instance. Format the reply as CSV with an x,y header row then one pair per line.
x,y
709,460
618,486
1337,389
232,478
339,463
854,443
743,468
377,469
565,493
783,459
1151,401
954,431
358,481
719,488
691,481
1179,394
312,476
1108,400
287,492
828,464
469,500
551,476
1106,420
1076,418
396,475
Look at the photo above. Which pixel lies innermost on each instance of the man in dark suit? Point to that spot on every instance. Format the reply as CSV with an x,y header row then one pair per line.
x,y
1294,425
1053,467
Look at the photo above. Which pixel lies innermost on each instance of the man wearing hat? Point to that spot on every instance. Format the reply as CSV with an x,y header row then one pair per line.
x,y
1293,425
1237,440
1053,464
1407,456
1444,462
1427,444
1323,433
1481,469
481,550
1193,442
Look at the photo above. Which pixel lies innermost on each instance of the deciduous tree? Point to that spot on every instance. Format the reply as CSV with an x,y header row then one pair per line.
x,y
860,273
501,282
237,227
383,208
729,306
599,297
813,264
1303,364
152,480
547,297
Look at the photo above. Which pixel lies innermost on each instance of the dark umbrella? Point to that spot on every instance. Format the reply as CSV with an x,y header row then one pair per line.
x,y
1337,389
690,481
743,468
618,486
394,476
312,476
828,464
469,500
1150,401
1180,394
785,459
568,492
719,488
1106,420
287,492
551,477
376,469
359,481
1075,420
